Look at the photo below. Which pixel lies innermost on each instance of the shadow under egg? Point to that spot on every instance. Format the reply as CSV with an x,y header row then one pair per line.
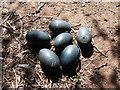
x,y
86,49
72,69
58,50
36,47
53,74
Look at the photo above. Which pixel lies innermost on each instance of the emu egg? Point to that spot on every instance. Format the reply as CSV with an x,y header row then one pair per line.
x,y
37,37
58,26
48,58
69,55
63,40
84,36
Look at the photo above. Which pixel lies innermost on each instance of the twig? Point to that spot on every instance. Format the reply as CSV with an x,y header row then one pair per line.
x,y
16,83
13,86
112,28
36,78
35,19
11,13
5,79
21,31
75,31
6,27
66,85
34,85
89,63
101,66
92,60
40,17
39,8
20,18
79,24
118,70
1,58
96,57
109,50
22,52
93,36
11,64
60,12
98,49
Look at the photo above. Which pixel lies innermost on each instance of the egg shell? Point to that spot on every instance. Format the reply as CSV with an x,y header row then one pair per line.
x,y
37,37
58,26
69,55
63,40
48,58
84,36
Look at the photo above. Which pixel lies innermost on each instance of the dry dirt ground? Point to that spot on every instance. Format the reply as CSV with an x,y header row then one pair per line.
x,y
100,65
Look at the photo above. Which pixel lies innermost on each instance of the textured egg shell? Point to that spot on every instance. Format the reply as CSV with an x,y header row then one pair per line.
x,y
48,58
58,26
69,55
38,37
63,39
84,36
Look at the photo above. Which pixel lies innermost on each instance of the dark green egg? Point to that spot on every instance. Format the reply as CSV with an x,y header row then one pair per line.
x,y
69,55
38,37
49,59
58,26
84,36
63,40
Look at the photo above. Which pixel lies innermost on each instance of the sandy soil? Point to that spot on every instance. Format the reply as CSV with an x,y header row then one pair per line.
x,y
100,68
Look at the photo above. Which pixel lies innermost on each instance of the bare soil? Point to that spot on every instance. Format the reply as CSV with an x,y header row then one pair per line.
x,y
100,63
